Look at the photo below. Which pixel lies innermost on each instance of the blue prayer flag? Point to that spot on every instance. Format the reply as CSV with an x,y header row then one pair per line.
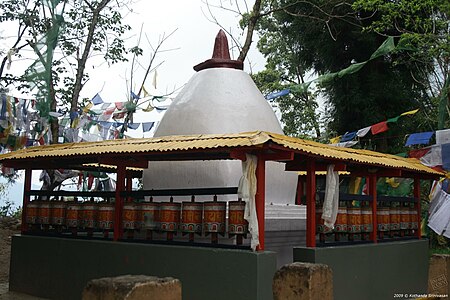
x,y
97,99
147,126
278,94
348,136
134,96
133,125
446,156
421,138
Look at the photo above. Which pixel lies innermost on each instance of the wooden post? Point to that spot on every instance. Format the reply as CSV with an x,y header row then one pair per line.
x,y
120,187
129,186
260,199
311,203
417,196
26,199
300,182
373,193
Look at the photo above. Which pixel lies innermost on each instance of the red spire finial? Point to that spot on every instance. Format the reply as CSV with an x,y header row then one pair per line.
x,y
221,46
221,56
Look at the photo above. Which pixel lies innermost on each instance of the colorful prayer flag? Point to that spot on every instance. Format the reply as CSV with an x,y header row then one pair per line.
x,y
421,138
379,127
362,132
97,99
411,112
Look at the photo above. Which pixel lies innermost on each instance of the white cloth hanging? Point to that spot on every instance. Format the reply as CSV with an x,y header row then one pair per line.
x,y
247,192
440,220
331,202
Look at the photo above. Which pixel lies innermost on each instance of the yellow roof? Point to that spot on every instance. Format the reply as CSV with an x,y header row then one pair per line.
x,y
214,141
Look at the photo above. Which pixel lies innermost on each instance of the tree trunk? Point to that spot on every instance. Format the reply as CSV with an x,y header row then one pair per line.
x,y
78,85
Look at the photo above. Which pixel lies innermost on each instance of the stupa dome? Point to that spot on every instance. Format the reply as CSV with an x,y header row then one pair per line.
x,y
219,98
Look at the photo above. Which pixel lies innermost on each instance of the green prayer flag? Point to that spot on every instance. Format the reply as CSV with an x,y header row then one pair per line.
x,y
387,46
393,120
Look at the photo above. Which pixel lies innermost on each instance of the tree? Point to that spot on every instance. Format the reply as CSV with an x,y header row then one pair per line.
x,y
72,30
326,37
425,27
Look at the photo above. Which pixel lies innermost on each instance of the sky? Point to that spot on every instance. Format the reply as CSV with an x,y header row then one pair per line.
x,y
192,42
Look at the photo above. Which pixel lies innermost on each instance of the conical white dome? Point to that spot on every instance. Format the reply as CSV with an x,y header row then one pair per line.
x,y
218,100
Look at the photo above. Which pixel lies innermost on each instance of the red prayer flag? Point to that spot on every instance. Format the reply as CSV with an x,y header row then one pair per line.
x,y
418,153
379,127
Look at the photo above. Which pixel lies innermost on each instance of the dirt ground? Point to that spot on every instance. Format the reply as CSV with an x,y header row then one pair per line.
x,y
5,252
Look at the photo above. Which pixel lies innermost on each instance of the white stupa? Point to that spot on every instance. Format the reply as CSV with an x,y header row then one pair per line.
x,y
219,98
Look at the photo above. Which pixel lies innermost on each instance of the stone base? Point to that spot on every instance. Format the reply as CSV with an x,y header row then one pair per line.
x,y
303,281
439,275
133,287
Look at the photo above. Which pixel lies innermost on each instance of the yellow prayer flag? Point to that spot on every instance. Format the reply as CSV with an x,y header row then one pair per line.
x,y
411,112
335,140
149,108
88,107
146,94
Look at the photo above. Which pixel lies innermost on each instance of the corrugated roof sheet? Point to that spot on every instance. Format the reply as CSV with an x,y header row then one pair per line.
x,y
212,141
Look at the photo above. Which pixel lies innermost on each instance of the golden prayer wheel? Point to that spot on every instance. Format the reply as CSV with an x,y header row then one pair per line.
x,y
191,217
383,219
130,216
214,216
57,212
169,216
73,214
236,222
340,226
44,213
149,215
414,218
106,216
394,216
32,212
405,219
89,214
366,218
354,219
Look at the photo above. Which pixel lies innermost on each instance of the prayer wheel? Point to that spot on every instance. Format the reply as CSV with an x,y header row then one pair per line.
x,y
73,214
44,213
394,218
413,217
214,216
130,216
383,219
169,216
32,212
57,213
340,226
106,216
405,219
149,215
89,214
236,222
191,217
320,226
354,219
366,217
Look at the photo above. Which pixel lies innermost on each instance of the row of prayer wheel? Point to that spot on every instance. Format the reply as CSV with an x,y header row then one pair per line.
x,y
189,217
171,217
393,219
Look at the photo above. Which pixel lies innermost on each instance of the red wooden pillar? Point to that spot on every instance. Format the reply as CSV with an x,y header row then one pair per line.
x,y
120,187
129,186
310,203
419,214
26,199
300,183
373,193
260,199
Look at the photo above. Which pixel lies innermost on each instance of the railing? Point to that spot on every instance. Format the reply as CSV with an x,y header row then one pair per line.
x,y
397,218
61,213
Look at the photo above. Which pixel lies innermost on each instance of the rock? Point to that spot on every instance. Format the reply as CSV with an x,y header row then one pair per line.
x,y
438,275
132,287
303,281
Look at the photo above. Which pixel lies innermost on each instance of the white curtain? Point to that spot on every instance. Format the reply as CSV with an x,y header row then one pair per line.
x,y
331,202
247,192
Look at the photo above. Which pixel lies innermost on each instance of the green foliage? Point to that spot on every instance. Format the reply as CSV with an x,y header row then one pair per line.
x,y
325,36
